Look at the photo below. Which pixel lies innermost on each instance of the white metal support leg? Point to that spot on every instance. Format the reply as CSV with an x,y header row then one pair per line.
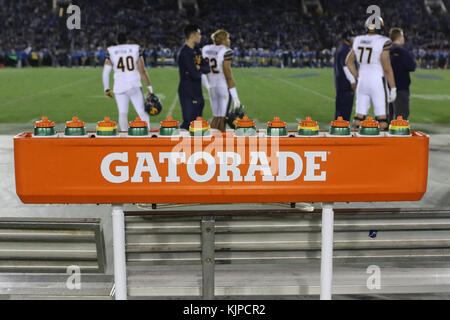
x,y
120,268
326,267
208,256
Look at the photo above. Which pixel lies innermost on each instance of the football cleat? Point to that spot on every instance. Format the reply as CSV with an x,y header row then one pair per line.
x,y
152,105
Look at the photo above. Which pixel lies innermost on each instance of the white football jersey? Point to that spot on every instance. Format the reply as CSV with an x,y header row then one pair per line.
x,y
124,58
216,55
368,50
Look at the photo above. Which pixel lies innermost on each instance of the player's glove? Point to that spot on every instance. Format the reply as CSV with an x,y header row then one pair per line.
x,y
392,95
236,104
109,93
152,105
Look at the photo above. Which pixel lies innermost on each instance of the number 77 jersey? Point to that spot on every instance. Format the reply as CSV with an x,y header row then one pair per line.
x,y
216,55
368,50
125,58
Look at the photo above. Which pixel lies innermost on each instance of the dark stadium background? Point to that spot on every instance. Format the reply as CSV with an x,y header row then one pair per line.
x,y
289,33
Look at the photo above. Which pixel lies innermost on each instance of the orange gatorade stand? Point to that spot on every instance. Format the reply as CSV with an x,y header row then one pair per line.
x,y
222,168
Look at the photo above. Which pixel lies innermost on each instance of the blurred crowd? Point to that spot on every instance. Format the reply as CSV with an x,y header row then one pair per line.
x,y
263,33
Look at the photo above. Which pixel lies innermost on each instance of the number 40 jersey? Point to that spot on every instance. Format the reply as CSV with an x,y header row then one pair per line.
x,y
368,50
216,55
125,58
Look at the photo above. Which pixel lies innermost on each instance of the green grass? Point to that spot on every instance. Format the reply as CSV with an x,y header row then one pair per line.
x,y
292,94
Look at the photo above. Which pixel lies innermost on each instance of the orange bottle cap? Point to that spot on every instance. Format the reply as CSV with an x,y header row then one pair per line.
x,y
340,123
400,122
44,123
276,123
199,123
106,123
369,123
75,123
245,122
169,123
308,123
138,123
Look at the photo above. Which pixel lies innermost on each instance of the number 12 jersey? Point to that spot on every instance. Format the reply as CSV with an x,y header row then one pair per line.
x,y
216,55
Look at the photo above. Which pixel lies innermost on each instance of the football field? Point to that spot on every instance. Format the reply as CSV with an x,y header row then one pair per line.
x,y
292,94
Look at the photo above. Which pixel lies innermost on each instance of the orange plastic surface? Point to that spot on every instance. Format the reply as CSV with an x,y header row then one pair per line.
x,y
400,122
340,123
308,123
75,123
169,123
138,123
245,122
44,123
369,123
199,123
276,123
106,123
350,169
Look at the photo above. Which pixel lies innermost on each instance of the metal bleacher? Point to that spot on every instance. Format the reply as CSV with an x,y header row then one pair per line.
x,y
277,252
50,245
36,253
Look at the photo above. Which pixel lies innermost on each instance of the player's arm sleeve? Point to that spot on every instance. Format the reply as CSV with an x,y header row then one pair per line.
x,y
228,56
205,81
350,63
187,60
106,71
349,75
387,45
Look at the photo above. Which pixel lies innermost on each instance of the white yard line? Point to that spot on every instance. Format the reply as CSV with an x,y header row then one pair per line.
x,y
306,89
431,96
172,106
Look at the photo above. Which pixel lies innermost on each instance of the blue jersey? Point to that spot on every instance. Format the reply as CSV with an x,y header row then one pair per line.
x,y
402,63
190,77
340,80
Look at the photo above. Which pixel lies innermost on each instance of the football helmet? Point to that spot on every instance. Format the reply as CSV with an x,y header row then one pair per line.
x,y
233,115
152,105
371,25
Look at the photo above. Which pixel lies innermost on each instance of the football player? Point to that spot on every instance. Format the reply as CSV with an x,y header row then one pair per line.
x,y
220,79
128,64
372,53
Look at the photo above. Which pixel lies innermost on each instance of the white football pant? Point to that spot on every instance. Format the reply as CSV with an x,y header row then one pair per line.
x,y
123,101
371,90
219,101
